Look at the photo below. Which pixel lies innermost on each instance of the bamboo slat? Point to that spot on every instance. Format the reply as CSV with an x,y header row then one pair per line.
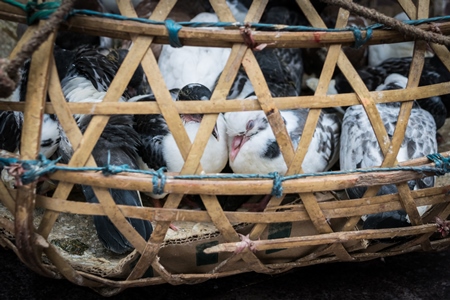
x,y
196,107
123,29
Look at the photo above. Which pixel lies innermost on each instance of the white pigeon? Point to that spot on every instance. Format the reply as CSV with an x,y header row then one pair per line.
x,y
190,64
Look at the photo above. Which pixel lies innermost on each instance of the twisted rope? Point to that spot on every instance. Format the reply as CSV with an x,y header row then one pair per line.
x,y
9,70
402,27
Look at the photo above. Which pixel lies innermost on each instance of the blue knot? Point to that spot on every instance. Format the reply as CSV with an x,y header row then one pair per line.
x,y
35,169
40,11
173,28
359,40
442,163
109,169
112,169
159,181
277,188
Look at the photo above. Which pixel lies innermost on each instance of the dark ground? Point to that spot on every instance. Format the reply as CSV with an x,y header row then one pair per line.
x,y
409,276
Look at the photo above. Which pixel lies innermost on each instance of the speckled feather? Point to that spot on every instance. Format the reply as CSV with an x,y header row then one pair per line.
x,y
261,153
433,72
360,149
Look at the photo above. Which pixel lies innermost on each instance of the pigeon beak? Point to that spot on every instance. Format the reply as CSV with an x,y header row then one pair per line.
x,y
236,145
215,132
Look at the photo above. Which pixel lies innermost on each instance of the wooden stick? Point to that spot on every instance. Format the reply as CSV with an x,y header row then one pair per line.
x,y
197,107
215,38
330,238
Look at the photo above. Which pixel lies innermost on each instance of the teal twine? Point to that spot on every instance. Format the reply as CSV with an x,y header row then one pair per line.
x,y
40,11
44,10
359,40
16,4
159,181
442,163
277,188
35,169
173,28
109,169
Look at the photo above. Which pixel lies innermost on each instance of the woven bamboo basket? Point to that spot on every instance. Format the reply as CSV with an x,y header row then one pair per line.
x,y
318,227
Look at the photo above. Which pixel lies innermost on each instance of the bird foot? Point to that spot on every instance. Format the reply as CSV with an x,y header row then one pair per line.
x,y
16,170
173,227
443,226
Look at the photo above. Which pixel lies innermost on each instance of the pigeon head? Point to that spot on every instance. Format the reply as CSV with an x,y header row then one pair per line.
x,y
243,126
196,91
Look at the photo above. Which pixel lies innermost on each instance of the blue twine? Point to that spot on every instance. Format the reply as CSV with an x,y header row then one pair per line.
x,y
159,181
277,188
173,28
109,169
359,40
42,11
442,163
35,169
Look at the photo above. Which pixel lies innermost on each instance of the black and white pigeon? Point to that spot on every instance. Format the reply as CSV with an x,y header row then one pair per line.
x,y
433,72
11,121
159,148
282,67
87,80
360,149
254,149
118,146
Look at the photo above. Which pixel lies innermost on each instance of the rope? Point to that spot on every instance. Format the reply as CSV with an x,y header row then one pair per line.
x,y
442,163
9,70
402,27
28,171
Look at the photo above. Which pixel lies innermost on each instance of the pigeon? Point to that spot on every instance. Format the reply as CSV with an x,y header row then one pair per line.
x,y
190,64
275,73
117,145
159,148
282,67
87,80
11,121
254,149
433,72
360,149
380,52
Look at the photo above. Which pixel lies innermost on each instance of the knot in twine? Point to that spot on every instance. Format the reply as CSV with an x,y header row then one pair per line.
x,y
442,163
159,181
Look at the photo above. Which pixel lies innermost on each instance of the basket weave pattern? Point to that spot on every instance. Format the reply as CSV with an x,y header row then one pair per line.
x,y
335,236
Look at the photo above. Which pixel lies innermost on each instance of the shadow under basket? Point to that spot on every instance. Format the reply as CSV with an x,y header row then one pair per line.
x,y
308,220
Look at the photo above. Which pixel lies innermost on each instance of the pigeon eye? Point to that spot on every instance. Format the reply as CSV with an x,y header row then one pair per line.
x,y
250,125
